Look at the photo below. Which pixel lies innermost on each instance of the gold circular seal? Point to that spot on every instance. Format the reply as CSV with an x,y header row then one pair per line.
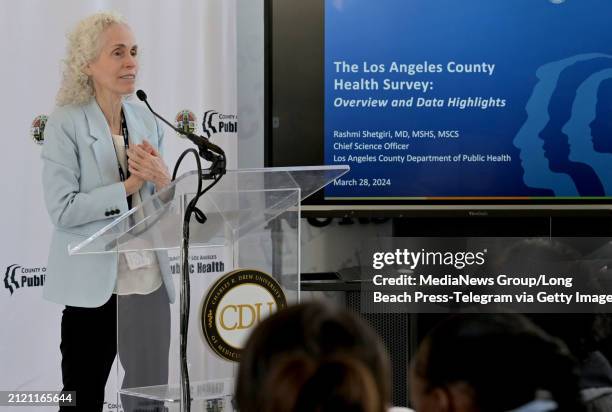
x,y
234,305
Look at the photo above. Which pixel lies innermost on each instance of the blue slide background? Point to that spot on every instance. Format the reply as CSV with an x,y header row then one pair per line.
x,y
544,54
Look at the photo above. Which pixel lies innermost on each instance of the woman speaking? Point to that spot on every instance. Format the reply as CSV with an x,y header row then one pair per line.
x,y
101,157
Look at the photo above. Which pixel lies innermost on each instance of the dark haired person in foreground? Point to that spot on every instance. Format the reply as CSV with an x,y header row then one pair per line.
x,y
313,357
583,334
493,363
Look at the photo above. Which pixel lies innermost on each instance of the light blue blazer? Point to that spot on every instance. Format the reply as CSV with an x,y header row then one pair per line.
x,y
81,189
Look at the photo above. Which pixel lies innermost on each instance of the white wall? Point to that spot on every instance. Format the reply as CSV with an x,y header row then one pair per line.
x,y
250,51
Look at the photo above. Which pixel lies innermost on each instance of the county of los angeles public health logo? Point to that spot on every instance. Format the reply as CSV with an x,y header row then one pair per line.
x,y
19,277
37,130
215,122
234,305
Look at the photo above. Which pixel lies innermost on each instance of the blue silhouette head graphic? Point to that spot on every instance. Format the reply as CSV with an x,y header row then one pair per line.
x,y
552,137
601,126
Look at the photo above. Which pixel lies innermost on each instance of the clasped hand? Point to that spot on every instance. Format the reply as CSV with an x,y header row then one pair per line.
x,y
145,164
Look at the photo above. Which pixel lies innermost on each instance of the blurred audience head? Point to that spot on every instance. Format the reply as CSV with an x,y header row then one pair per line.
x,y
313,357
493,363
582,333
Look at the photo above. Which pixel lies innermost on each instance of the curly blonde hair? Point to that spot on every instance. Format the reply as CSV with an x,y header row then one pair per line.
x,y
83,48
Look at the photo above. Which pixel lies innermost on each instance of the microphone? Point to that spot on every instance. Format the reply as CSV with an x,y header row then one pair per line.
x,y
199,141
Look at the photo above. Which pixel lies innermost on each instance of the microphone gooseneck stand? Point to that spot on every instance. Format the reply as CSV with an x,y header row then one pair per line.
x,y
216,156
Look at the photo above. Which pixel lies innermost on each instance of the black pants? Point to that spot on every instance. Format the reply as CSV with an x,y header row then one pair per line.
x,y
89,345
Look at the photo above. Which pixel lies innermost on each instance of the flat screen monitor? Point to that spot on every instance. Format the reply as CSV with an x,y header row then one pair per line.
x,y
444,104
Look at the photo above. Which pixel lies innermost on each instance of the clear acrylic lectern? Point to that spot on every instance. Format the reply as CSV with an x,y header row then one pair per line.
x,y
252,221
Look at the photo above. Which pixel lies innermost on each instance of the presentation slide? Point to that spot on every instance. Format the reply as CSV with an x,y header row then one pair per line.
x,y
469,99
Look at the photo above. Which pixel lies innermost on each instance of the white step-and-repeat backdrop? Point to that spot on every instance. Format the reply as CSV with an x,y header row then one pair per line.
x,y
188,61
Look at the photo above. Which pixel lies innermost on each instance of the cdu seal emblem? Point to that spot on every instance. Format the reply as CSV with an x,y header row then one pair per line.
x,y
234,305
186,121
37,130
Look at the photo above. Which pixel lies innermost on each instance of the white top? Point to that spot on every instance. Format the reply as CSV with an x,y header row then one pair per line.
x,y
137,272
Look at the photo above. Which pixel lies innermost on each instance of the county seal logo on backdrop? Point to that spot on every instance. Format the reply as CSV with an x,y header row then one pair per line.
x,y
186,121
37,129
234,305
